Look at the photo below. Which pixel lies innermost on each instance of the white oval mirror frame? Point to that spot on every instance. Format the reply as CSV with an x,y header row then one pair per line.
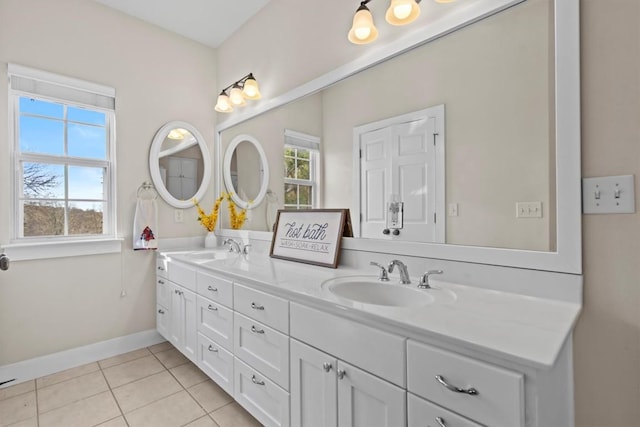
x,y
154,166
226,170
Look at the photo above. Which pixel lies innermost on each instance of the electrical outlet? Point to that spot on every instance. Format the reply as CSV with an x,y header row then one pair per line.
x,y
528,209
452,209
178,215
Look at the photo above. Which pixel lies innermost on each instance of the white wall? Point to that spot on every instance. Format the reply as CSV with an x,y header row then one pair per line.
x,y
53,305
312,41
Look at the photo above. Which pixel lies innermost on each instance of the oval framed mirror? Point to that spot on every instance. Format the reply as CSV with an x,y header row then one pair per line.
x,y
246,171
180,164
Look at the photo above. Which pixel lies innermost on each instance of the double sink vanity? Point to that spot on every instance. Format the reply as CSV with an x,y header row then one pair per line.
x,y
296,344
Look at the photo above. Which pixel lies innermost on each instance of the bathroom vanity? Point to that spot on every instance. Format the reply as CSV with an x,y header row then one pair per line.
x,y
291,351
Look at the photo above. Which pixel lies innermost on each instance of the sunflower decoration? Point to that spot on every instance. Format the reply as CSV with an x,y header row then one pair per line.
x,y
235,218
209,221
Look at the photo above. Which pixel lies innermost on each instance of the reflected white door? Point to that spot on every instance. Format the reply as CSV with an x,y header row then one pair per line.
x,y
403,157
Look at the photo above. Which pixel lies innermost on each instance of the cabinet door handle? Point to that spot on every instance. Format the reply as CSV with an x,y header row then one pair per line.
x,y
256,306
212,289
327,366
161,311
160,268
215,350
255,380
212,308
441,422
161,282
472,391
341,373
256,330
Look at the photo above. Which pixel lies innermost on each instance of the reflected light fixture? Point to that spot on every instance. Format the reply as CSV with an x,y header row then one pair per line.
x,y
235,94
400,12
177,133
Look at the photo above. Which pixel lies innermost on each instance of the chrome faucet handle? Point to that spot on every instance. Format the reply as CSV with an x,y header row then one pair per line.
x,y
245,249
233,245
424,280
384,277
403,270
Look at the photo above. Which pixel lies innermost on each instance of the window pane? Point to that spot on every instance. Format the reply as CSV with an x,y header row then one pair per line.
x,y
85,218
290,194
43,218
303,154
41,180
304,194
303,169
43,136
87,141
41,108
86,183
289,167
86,116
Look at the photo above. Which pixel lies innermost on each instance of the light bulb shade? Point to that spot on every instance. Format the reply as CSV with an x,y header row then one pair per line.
x,y
363,31
223,105
402,12
235,96
250,89
445,1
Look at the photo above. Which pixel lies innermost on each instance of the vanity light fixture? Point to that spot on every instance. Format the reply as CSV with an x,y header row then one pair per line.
x,y
400,12
239,91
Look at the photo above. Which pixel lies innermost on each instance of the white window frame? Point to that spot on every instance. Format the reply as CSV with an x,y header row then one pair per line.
x,y
72,93
299,140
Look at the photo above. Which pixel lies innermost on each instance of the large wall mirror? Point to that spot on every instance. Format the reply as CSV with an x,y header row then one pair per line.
x,y
179,164
509,84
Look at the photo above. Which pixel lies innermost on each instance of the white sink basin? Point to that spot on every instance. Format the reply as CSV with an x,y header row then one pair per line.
x,y
204,255
369,290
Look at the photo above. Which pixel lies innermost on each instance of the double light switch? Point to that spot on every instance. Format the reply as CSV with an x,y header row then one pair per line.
x,y
608,194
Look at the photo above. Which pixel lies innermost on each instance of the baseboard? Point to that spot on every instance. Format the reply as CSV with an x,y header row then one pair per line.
x,y
50,364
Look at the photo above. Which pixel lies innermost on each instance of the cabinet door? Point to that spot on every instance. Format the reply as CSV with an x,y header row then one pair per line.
x,y
314,393
368,401
162,321
176,318
190,313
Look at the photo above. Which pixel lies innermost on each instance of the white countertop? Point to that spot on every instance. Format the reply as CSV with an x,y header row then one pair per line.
x,y
522,329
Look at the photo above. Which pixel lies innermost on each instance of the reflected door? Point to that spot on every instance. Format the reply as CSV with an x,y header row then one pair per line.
x,y
399,162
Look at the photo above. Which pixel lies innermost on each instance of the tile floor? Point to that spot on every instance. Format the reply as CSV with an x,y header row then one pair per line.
x,y
152,387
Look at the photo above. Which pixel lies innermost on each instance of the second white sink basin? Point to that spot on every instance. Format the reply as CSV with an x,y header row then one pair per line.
x,y
367,290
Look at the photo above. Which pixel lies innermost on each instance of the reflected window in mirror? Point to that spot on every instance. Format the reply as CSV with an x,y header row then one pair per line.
x,y
301,170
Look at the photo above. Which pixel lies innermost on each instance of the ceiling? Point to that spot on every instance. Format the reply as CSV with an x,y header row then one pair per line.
x,y
207,21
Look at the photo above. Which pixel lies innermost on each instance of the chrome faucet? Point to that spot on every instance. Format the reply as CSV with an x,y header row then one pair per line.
x,y
233,245
404,273
424,280
383,277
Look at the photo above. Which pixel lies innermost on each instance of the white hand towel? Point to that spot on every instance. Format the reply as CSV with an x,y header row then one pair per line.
x,y
145,225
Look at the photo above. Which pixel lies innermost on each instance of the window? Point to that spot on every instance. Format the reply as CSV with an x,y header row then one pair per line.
x,y
301,170
63,157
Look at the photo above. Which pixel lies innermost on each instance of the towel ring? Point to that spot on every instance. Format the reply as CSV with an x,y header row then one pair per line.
x,y
146,191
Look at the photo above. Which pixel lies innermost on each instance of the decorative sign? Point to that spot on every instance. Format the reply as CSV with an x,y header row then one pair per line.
x,y
312,236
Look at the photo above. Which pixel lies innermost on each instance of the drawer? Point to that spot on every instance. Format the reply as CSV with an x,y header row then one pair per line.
x,y
262,347
183,275
163,292
381,353
216,362
271,310
162,321
262,398
162,266
215,321
423,413
215,288
499,401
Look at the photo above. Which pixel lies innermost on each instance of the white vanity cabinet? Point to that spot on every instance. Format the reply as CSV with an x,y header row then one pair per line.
x,y
327,375
163,302
182,326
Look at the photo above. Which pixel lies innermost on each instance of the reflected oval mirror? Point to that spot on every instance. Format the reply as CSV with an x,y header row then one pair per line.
x,y
179,164
246,171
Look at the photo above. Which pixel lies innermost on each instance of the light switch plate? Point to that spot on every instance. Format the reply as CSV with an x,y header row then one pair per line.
x,y
608,194
528,209
178,215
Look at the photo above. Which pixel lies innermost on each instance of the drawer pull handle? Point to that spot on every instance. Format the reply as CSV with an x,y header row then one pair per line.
x,y
341,373
327,366
212,289
161,282
256,330
212,308
256,306
471,391
160,268
161,311
255,380
178,292
441,422
215,350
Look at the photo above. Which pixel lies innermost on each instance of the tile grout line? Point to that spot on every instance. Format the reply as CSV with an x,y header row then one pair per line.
x,y
35,385
114,397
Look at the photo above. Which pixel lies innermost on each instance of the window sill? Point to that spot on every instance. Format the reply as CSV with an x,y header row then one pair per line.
x,y
44,250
